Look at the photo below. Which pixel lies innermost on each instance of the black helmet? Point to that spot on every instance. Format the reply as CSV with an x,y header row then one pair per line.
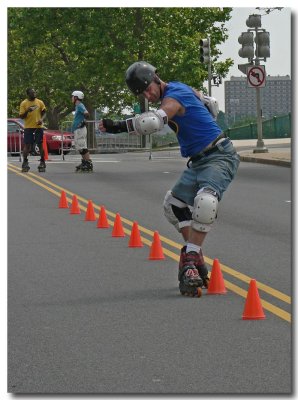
x,y
139,76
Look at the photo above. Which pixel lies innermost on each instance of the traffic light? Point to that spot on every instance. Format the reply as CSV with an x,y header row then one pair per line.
x,y
247,41
254,21
262,40
205,51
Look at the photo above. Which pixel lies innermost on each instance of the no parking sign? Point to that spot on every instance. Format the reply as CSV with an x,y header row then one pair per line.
x,y
256,76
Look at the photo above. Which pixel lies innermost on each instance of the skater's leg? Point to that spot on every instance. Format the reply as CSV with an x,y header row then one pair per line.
x,y
26,151
203,216
39,143
88,161
28,142
80,136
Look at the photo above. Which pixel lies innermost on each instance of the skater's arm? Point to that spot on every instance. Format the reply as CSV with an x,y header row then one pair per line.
x,y
172,107
108,125
169,106
43,115
23,113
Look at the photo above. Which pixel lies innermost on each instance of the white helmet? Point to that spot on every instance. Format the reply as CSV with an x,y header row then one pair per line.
x,y
78,94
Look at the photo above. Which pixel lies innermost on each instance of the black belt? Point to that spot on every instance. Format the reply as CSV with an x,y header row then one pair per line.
x,y
212,149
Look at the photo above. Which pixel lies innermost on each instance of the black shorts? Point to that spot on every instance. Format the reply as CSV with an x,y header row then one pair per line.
x,y
33,135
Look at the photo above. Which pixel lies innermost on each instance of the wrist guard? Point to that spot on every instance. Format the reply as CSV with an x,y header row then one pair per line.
x,y
114,126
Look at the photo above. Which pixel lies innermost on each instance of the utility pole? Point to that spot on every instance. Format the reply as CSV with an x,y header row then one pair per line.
x,y
255,72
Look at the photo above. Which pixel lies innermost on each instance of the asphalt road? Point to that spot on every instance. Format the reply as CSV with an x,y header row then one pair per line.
x,y
87,314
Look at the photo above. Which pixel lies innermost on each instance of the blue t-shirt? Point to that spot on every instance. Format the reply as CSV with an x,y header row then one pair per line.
x,y
197,127
79,116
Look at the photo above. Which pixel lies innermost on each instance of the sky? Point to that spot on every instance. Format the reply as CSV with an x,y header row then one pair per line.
x,y
278,24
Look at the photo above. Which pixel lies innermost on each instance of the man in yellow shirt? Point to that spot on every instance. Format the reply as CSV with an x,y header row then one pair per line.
x,y
32,111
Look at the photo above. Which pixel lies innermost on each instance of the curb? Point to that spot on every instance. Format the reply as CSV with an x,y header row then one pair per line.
x,y
280,163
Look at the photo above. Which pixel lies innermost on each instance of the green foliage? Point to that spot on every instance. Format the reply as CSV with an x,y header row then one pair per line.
x,y
221,120
243,121
58,50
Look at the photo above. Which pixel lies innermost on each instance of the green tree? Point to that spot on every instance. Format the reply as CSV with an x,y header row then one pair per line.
x,y
221,120
58,50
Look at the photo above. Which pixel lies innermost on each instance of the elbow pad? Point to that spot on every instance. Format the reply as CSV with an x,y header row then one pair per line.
x,y
114,126
212,105
147,122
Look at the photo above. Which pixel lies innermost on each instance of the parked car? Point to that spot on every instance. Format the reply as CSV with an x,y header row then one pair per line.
x,y
15,138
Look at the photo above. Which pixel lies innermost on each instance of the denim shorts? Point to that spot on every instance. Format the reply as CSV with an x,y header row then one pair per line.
x,y
214,171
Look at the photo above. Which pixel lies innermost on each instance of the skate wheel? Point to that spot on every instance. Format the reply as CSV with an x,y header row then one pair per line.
x,y
206,283
199,292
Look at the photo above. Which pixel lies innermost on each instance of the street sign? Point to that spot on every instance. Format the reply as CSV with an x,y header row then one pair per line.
x,y
256,76
217,80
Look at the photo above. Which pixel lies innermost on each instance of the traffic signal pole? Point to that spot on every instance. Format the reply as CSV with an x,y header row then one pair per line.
x,y
209,77
262,41
260,142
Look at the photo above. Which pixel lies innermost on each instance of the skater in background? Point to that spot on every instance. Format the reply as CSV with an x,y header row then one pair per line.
x,y
192,204
33,112
80,131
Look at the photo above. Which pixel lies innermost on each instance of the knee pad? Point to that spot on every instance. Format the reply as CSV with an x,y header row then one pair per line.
x,y
83,151
205,210
176,211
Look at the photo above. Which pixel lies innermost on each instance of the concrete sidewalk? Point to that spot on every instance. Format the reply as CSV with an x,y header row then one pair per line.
x,y
279,151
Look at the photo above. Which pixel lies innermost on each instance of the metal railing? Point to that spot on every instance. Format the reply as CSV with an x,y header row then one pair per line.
x,y
103,142
14,144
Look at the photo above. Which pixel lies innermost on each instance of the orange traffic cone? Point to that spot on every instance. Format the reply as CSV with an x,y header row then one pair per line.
x,y
45,148
90,215
118,228
135,237
216,284
102,219
75,209
253,308
156,252
63,201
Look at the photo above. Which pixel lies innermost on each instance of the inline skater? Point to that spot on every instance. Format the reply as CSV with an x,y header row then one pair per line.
x,y
33,112
80,132
192,203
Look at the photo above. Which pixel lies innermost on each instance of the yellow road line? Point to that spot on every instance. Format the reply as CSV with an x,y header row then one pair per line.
x,y
265,304
273,292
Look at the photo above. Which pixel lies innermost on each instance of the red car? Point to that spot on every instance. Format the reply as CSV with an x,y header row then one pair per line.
x,y
15,138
